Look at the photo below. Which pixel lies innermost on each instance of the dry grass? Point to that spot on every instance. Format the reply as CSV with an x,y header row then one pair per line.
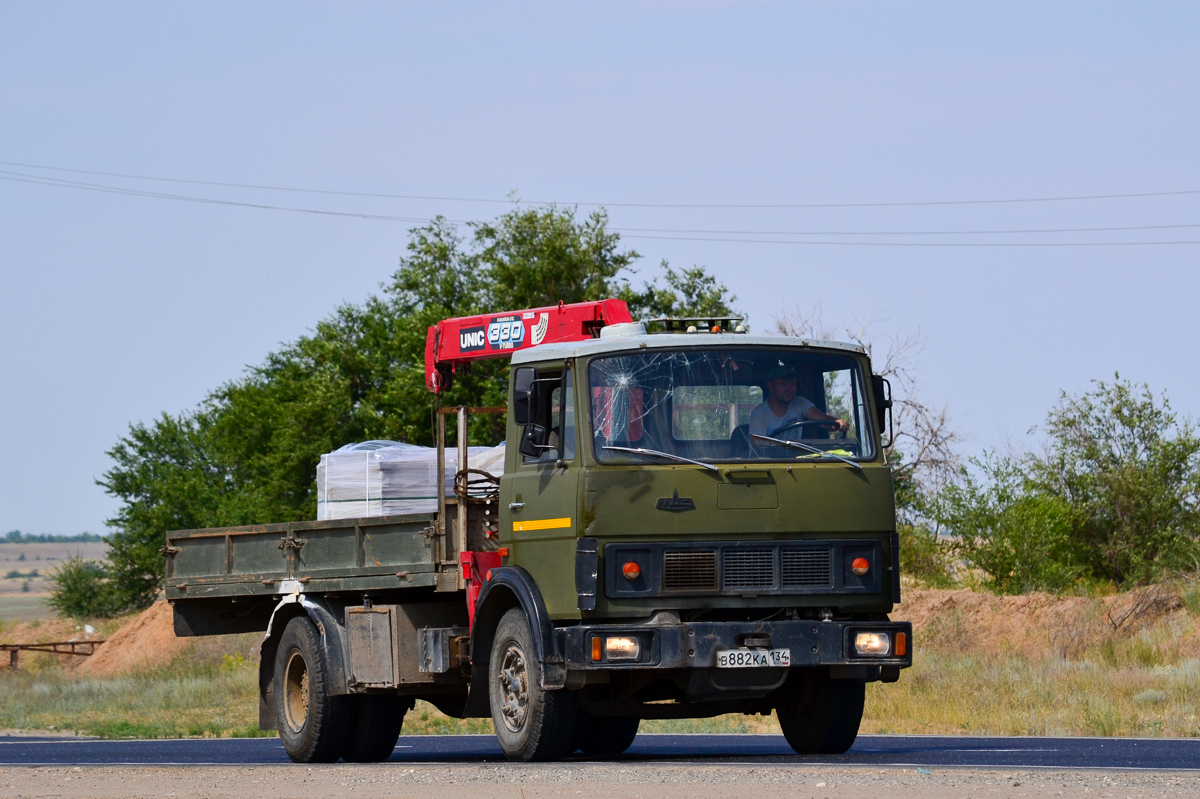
x,y
1116,665
212,690
1139,686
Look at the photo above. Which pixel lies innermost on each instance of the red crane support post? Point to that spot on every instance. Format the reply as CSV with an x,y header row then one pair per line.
x,y
456,342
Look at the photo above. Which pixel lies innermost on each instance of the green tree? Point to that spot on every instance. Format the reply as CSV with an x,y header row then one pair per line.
x,y
684,293
167,479
535,257
248,453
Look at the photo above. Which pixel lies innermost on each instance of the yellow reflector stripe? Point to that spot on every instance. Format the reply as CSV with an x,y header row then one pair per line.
x,y
541,524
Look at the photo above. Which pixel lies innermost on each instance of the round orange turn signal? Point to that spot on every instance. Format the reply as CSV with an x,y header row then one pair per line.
x,y
860,566
631,570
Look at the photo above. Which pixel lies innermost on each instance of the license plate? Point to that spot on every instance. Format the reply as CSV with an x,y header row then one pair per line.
x,y
753,658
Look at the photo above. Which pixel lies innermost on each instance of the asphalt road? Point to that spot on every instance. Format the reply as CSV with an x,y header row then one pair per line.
x,y
919,751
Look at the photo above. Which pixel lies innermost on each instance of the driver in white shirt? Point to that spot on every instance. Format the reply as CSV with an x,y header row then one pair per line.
x,y
783,407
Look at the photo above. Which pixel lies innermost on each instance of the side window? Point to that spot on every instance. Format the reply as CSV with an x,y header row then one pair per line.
x,y
554,425
568,415
557,416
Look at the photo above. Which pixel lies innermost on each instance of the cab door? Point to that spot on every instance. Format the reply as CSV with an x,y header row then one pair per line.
x,y
539,496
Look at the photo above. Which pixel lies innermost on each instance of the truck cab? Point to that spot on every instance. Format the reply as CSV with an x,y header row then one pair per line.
x,y
692,556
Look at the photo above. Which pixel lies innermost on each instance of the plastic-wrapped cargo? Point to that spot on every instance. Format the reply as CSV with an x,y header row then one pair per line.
x,y
388,478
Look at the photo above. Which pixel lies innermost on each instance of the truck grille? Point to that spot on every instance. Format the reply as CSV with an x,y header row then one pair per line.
x,y
690,570
743,568
748,568
803,568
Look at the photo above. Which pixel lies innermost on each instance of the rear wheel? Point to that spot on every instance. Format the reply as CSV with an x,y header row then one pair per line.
x,y
531,723
605,735
820,716
312,724
376,727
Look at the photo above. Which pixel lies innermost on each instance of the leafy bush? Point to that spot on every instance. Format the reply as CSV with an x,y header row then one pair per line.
x,y
1115,498
1020,536
82,590
1132,470
924,557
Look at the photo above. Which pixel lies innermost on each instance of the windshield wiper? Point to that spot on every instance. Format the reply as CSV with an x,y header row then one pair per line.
x,y
807,448
642,451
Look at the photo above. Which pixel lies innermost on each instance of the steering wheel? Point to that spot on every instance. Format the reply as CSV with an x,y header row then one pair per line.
x,y
799,423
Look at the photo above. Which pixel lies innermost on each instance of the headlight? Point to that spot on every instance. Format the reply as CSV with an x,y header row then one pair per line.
x,y
876,644
622,648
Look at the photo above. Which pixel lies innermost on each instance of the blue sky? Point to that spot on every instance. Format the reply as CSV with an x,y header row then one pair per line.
x,y
116,308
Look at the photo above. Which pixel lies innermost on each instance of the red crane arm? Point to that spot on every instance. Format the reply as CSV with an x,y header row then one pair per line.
x,y
471,338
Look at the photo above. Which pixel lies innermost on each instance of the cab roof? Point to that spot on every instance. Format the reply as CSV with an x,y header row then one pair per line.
x,y
645,341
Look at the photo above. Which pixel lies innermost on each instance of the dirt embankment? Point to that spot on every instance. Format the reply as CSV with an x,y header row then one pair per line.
x,y
1038,625
146,642
41,632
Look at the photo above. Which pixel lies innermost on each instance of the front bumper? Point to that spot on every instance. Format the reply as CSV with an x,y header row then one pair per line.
x,y
695,645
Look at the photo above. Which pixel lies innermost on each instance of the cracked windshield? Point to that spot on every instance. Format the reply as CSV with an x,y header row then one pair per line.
x,y
742,404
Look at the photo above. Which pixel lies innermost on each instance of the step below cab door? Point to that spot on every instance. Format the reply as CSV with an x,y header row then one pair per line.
x,y
539,495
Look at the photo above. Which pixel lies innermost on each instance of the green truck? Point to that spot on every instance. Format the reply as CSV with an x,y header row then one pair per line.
x,y
689,523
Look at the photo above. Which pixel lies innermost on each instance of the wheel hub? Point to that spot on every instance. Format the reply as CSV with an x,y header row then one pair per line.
x,y
295,692
513,679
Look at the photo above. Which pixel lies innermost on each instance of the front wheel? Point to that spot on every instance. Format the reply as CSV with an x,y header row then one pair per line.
x,y
820,716
531,723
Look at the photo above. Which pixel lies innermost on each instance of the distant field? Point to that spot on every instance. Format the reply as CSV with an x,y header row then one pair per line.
x,y
23,567
17,608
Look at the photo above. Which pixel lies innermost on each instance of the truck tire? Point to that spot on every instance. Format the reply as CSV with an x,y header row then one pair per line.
x,y
605,735
531,723
820,716
312,724
375,728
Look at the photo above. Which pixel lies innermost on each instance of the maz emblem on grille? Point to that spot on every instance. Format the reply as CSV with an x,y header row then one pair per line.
x,y
675,503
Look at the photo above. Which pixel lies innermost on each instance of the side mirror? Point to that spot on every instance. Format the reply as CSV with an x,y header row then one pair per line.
x,y
533,440
882,389
525,395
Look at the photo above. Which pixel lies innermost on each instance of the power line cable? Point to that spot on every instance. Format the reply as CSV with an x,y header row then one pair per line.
x,y
993,232
627,230
70,184
17,178
902,204
827,242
